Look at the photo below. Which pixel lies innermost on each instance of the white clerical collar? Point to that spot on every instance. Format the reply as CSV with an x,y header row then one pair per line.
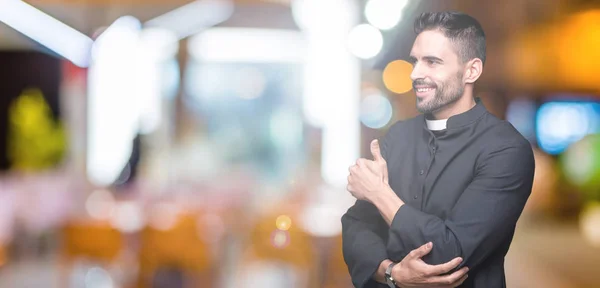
x,y
436,125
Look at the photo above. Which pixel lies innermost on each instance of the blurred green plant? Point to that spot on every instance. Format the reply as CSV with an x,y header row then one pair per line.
x,y
35,140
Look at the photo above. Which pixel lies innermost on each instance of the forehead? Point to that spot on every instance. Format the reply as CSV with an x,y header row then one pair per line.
x,y
433,43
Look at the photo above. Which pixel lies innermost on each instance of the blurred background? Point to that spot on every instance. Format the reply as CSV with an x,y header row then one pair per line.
x,y
206,143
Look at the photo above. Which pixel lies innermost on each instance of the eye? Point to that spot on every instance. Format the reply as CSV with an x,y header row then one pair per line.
x,y
431,62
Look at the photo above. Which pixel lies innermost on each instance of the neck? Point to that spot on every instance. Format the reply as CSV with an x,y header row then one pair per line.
x,y
464,104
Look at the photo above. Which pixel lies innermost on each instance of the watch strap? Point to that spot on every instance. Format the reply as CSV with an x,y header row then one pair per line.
x,y
388,276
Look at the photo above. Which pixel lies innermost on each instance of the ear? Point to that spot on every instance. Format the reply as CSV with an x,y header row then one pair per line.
x,y
474,68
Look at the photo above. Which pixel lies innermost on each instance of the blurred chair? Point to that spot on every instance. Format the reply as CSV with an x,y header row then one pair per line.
x,y
279,251
179,250
93,241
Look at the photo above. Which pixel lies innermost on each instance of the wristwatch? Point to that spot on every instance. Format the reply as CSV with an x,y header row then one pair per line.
x,y
388,276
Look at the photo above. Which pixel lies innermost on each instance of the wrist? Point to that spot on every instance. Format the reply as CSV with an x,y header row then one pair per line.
x,y
380,274
381,195
397,275
387,202
390,279
384,264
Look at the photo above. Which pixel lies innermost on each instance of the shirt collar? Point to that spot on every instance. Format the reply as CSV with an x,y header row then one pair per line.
x,y
436,125
461,119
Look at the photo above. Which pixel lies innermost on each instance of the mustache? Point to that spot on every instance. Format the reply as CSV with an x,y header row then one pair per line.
x,y
422,82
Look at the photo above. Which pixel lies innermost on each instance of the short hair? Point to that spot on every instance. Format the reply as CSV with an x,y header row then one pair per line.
x,y
462,29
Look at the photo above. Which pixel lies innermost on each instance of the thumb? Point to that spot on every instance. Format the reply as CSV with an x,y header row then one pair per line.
x,y
423,250
376,151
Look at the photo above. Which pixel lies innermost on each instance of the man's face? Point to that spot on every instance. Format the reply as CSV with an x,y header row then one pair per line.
x,y
437,72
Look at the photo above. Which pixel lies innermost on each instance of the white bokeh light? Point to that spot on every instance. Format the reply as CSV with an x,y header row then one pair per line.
x,y
100,204
97,277
375,111
365,41
384,14
127,217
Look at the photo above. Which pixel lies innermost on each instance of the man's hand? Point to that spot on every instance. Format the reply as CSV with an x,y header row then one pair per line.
x,y
368,177
413,272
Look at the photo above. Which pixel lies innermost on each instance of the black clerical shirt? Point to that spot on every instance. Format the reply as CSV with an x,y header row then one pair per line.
x,y
464,188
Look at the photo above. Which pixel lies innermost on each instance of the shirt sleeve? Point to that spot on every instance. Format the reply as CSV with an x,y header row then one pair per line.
x,y
483,217
363,248
363,232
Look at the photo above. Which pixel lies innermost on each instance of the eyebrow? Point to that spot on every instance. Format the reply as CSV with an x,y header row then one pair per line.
x,y
413,59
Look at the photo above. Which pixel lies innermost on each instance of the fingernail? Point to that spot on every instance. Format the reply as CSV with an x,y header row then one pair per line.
x,y
429,245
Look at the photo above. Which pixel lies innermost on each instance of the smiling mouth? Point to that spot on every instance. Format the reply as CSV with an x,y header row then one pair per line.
x,y
424,89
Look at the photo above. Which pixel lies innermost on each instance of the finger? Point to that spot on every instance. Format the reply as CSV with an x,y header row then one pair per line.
x,y
352,169
385,171
372,166
448,280
460,282
421,251
440,269
376,151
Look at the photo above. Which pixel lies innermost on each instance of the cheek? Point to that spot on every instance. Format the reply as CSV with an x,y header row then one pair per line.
x,y
452,79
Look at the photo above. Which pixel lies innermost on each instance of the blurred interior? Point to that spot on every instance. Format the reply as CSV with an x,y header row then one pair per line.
x,y
206,143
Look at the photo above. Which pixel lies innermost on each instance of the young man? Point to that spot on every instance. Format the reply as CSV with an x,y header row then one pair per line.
x,y
438,205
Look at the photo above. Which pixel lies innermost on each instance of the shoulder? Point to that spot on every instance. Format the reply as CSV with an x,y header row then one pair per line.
x,y
505,143
502,133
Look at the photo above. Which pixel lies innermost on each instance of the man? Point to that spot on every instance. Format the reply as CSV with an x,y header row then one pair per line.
x,y
438,205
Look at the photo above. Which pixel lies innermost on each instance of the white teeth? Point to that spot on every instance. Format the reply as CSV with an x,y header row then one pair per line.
x,y
424,89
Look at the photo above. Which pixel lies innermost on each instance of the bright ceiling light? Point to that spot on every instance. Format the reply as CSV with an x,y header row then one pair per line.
x,y
46,30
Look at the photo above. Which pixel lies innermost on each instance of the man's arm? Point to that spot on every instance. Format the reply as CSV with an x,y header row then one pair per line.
x,y
482,218
364,250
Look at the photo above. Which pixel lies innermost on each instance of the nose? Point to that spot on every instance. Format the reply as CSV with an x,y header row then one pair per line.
x,y
417,72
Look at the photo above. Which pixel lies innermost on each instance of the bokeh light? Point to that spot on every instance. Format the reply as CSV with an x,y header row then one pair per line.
x,y
128,217
283,222
384,14
163,216
560,124
365,41
98,278
280,239
100,204
375,110
589,223
581,164
396,76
